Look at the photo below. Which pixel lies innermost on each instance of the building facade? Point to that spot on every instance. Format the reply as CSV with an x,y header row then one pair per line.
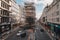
x,y
16,14
29,10
51,17
5,15
23,17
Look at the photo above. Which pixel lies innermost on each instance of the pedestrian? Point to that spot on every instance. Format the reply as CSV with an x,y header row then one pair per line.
x,y
31,35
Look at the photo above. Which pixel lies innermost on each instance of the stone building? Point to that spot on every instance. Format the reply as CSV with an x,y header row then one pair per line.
x,y
16,14
5,24
30,9
51,17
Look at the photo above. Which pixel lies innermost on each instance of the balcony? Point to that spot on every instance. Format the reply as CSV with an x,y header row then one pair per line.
x,y
8,3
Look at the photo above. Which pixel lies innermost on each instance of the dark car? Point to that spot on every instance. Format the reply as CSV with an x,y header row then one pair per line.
x,y
42,30
23,34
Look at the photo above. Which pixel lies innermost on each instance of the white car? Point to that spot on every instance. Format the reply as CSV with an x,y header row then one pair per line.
x,y
19,33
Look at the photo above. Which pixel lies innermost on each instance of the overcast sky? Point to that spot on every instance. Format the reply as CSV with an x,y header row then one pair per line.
x,y
40,4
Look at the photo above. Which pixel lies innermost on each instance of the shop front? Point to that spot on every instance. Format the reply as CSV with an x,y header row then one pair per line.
x,y
5,28
57,30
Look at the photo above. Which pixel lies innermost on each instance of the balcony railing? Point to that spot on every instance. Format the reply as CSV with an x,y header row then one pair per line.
x,y
7,1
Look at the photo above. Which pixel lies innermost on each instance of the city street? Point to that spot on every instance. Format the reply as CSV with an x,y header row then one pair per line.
x,y
38,35
29,19
15,37
41,35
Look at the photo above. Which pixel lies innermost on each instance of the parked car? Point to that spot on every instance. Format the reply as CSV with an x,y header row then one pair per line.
x,y
18,34
42,30
21,33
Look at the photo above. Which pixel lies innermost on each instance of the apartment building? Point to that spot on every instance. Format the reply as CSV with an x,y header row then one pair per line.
x,y
4,15
23,16
30,13
30,9
51,16
16,14
43,18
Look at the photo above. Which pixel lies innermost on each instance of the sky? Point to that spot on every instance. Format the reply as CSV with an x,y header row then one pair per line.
x,y
39,4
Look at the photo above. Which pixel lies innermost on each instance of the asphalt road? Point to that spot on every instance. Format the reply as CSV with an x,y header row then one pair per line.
x,y
38,35
41,35
15,37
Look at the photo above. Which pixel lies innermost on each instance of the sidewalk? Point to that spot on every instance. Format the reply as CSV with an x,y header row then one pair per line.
x,y
7,34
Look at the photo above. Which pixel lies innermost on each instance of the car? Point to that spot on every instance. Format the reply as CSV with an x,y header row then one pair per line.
x,y
21,33
36,28
18,34
42,30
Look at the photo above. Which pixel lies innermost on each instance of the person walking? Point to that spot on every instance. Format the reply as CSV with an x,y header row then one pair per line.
x,y
31,35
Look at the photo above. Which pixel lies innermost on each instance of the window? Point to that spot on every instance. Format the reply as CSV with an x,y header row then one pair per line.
x,y
46,19
0,19
0,11
57,5
43,19
57,19
57,13
7,1
4,5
